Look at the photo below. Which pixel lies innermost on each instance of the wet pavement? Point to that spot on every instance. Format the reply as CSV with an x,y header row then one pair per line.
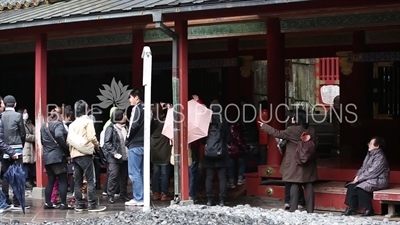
x,y
36,213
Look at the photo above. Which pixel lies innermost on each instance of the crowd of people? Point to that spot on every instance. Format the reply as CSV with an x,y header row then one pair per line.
x,y
70,141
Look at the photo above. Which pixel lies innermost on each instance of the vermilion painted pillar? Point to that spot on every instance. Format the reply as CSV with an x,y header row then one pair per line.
x,y
276,84
358,75
232,80
40,102
181,29
137,61
352,138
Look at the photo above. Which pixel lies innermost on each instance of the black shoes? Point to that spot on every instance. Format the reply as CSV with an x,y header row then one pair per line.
x,y
368,212
124,198
111,200
210,202
349,212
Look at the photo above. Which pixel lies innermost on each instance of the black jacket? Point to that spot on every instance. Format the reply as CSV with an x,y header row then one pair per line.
x,y
136,133
226,136
112,144
53,153
4,148
160,148
14,128
250,132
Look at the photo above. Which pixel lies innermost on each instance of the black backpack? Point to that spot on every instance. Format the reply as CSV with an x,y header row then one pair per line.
x,y
215,142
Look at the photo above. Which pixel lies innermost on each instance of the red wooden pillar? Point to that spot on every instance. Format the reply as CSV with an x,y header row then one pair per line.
x,y
352,139
181,29
276,84
233,79
358,75
40,102
137,61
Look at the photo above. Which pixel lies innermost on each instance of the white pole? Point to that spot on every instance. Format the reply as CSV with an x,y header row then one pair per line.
x,y
147,66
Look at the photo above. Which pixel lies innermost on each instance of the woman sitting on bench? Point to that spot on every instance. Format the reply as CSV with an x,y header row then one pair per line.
x,y
373,176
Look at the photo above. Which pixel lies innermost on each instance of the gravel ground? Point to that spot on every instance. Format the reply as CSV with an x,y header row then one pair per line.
x,y
203,215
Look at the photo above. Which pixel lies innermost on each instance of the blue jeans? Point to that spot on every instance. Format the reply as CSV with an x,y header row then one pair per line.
x,y
135,171
242,164
163,171
194,178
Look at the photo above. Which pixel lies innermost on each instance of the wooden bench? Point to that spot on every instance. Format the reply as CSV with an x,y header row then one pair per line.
x,y
391,197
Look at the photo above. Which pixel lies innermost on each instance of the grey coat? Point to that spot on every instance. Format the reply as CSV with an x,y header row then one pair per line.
x,y
29,153
374,173
291,172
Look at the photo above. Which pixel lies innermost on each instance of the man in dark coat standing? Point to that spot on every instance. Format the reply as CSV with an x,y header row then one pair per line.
x,y
14,136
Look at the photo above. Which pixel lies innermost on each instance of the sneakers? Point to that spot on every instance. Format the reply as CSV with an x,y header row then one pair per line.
x,y
230,186
240,182
133,202
47,206
97,208
18,207
104,194
65,207
286,206
7,209
80,208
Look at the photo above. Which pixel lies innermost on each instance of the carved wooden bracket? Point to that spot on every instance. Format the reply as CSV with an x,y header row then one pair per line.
x,y
247,66
346,67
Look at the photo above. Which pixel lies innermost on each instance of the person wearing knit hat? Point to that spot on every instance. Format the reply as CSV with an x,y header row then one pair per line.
x,y
14,136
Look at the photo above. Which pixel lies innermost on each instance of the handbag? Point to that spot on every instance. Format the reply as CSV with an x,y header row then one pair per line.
x,y
190,161
100,157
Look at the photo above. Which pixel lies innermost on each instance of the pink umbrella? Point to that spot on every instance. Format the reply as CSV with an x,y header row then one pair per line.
x,y
198,122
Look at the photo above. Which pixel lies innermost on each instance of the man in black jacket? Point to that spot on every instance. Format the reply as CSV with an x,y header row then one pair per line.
x,y
14,136
4,148
135,144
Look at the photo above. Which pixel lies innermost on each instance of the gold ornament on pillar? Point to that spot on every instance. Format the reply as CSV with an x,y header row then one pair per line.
x,y
247,66
346,67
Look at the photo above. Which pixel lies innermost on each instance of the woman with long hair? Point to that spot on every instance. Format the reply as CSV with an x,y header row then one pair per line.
x,y
160,152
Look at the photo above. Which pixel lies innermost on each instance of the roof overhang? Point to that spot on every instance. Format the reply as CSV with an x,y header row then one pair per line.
x,y
149,12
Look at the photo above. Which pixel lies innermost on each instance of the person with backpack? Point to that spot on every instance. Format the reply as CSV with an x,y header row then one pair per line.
x,y
299,165
216,155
